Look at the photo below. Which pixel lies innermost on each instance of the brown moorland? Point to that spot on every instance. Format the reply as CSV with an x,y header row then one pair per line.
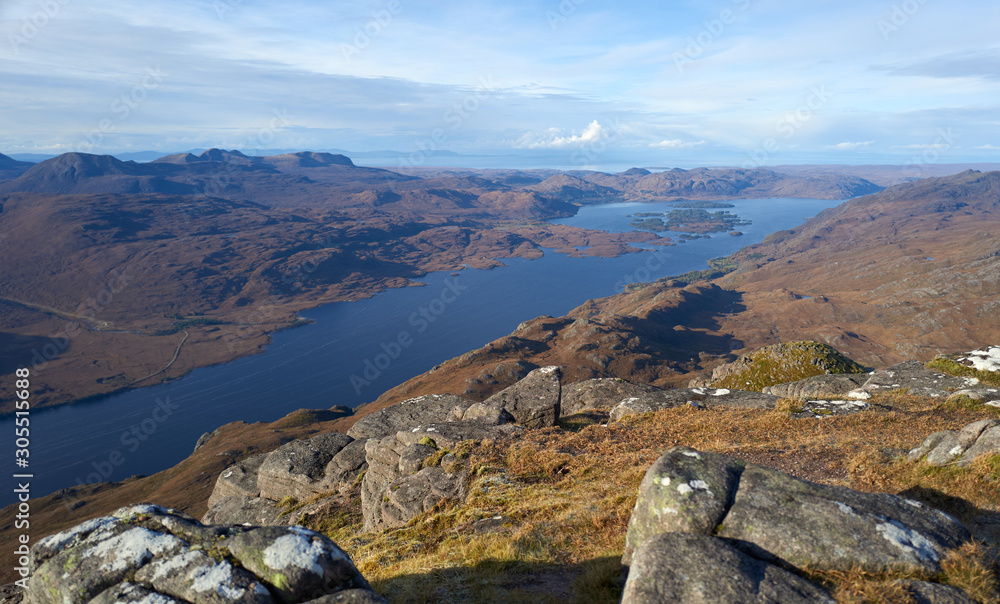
x,y
138,273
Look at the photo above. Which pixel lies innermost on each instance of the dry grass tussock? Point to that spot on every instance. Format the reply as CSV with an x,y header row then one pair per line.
x,y
547,512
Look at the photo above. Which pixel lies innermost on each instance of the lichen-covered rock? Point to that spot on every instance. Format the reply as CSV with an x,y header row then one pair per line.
x,y
298,468
961,447
534,402
803,523
425,409
296,563
684,491
697,569
780,364
916,379
701,397
602,394
145,553
835,527
831,408
835,385
238,480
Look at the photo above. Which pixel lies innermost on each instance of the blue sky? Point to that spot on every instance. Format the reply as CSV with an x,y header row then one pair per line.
x,y
687,83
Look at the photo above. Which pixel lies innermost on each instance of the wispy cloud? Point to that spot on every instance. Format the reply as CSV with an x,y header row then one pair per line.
x,y
676,143
850,146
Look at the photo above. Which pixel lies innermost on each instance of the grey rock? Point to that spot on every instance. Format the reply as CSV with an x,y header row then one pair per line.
x,y
415,411
929,444
298,468
238,480
449,436
696,569
988,443
811,524
819,386
193,576
705,397
534,401
917,379
204,438
601,394
492,415
298,564
347,465
254,511
350,596
831,408
146,553
924,592
410,496
411,458
127,592
683,491
961,447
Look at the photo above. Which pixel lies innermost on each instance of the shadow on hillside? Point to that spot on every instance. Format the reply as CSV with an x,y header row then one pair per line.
x,y
692,325
591,581
21,351
983,524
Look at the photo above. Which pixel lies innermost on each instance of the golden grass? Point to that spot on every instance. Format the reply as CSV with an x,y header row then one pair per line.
x,y
547,512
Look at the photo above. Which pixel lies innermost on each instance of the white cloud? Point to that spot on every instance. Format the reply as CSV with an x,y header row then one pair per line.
x,y
676,143
989,147
848,146
554,138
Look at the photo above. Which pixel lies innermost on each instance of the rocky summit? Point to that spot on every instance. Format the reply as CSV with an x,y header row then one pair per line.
x,y
549,470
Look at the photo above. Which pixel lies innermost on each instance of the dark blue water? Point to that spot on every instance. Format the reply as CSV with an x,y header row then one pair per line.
x,y
356,350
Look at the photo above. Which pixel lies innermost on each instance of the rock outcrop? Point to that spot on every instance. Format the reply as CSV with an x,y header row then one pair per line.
x,y
758,521
249,491
145,553
416,469
781,363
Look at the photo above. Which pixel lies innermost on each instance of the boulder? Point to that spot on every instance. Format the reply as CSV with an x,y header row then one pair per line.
x,y
684,491
960,447
835,385
298,468
801,522
145,553
600,394
835,527
534,401
697,569
425,409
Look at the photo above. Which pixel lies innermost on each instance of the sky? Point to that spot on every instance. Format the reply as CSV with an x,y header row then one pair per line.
x,y
570,82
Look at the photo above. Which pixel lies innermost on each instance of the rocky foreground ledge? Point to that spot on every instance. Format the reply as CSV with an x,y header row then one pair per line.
x,y
706,527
